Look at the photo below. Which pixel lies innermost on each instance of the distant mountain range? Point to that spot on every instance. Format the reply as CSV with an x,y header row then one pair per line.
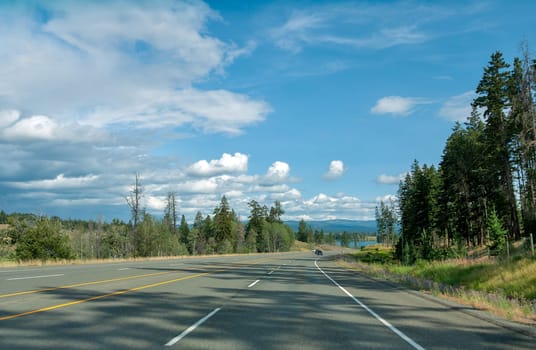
x,y
361,226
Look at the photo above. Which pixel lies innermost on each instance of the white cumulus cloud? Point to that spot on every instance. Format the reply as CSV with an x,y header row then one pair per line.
x,y
336,169
278,170
226,164
292,194
44,128
321,198
198,186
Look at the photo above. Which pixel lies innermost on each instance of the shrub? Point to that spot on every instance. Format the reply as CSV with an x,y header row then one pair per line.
x,y
44,241
497,234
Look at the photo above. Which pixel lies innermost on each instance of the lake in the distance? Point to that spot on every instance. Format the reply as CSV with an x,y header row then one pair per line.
x,y
359,244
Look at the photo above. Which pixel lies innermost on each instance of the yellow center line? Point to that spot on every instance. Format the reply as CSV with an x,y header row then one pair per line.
x,y
83,284
97,282
120,292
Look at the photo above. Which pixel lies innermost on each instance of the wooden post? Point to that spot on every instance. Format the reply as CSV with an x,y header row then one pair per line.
x,y
532,244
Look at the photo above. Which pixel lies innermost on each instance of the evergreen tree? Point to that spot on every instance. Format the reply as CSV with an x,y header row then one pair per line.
x,y
472,198
223,222
523,123
464,185
199,227
419,208
257,217
302,231
184,231
497,234
494,98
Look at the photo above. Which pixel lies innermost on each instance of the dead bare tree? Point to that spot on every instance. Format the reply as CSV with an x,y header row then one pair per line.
x,y
134,201
170,214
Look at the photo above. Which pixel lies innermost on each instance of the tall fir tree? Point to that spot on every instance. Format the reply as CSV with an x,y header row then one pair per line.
x,y
493,97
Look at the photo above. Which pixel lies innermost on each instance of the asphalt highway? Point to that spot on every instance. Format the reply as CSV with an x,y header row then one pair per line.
x,y
271,301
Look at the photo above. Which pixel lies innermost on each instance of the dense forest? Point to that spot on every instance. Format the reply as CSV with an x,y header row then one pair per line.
x,y
483,193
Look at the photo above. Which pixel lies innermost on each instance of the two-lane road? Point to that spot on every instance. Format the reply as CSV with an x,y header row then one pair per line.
x,y
273,301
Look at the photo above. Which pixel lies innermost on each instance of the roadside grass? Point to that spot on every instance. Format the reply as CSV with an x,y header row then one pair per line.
x,y
10,262
300,246
505,288
375,253
59,262
515,279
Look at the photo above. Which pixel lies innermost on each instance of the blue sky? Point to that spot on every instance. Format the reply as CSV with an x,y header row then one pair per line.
x,y
321,105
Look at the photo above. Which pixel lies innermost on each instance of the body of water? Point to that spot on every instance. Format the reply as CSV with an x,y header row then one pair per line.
x,y
359,244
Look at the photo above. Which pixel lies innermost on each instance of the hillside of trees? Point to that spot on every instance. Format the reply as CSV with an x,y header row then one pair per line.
x,y
483,193
307,232
338,225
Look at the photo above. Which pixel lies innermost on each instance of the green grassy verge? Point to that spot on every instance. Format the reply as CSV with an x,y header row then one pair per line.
x,y
507,288
516,279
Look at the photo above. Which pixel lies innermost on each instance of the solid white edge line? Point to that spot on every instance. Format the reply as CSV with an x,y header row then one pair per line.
x,y
27,278
192,328
378,317
254,283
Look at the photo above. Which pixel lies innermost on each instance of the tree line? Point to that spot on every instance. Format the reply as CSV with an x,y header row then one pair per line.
x,y
484,191
39,237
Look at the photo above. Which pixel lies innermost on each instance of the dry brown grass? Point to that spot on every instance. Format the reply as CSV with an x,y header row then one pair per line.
x,y
117,260
104,261
300,246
